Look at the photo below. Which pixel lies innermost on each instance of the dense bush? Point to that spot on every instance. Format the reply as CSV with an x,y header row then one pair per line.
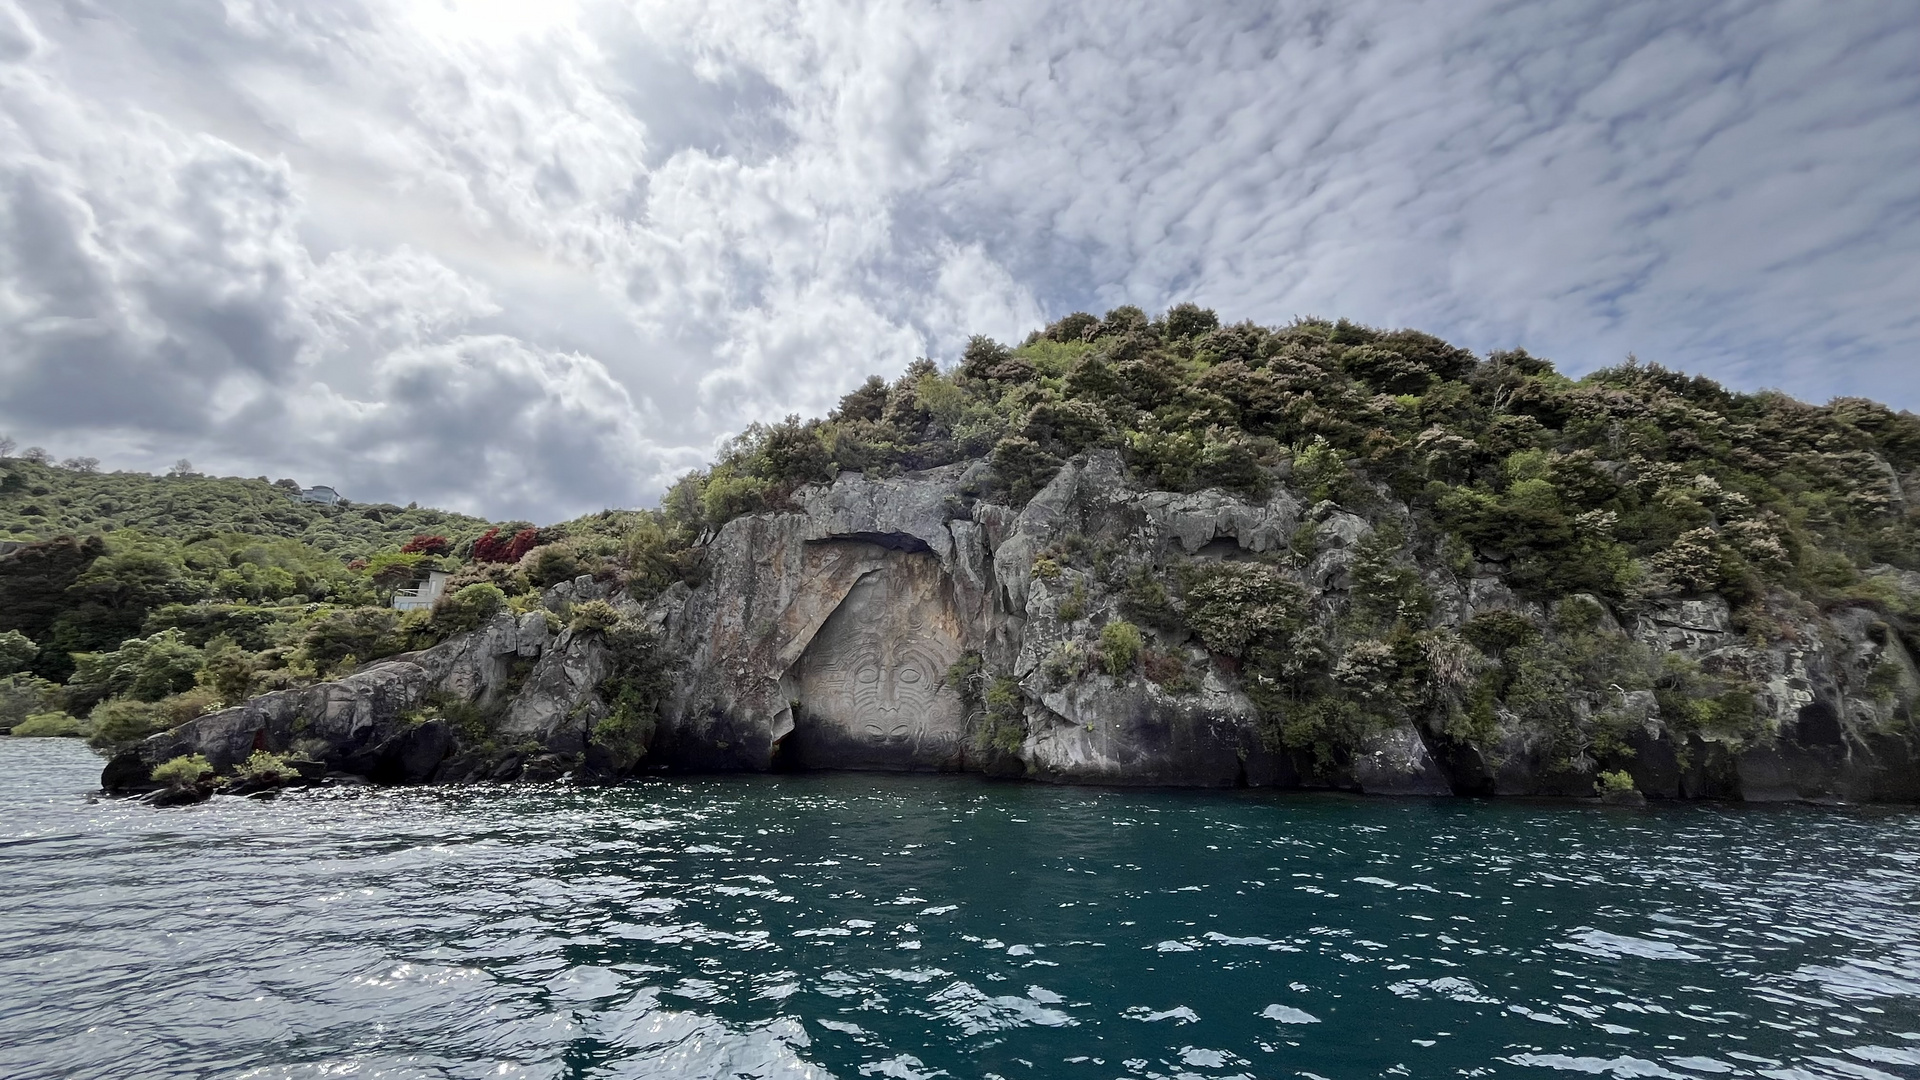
x,y
49,725
263,769
42,502
143,669
1120,645
23,695
182,772
593,616
635,690
491,547
119,723
468,609
17,652
359,634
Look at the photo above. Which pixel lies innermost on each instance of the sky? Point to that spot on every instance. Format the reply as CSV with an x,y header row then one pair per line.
x,y
529,260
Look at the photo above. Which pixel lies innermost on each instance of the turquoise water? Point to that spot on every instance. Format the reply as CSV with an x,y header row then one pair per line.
x,y
873,926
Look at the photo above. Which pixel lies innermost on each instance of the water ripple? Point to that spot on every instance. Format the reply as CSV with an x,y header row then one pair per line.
x,y
861,926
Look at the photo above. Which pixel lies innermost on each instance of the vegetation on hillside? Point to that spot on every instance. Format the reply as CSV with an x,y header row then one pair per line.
x,y
40,501
142,601
1597,497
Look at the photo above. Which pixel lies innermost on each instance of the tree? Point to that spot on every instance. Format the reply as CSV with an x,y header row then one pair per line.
x,y
427,544
390,570
34,582
1190,320
183,467
361,633
982,356
866,403
87,465
551,564
145,669
17,651
37,455
491,547
7,446
467,609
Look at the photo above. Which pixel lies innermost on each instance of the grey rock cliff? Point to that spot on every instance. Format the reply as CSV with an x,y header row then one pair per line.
x,y
862,628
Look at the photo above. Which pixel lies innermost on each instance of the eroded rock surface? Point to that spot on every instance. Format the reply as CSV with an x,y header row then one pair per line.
x,y
863,628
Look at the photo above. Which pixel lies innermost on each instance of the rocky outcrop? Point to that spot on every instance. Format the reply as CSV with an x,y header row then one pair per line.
x,y
903,624
399,720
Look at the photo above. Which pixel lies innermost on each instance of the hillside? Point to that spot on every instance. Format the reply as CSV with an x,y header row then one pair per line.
x,y
1529,578
1633,481
41,501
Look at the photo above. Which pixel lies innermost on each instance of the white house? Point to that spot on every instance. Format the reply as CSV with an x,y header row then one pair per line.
x,y
423,593
322,494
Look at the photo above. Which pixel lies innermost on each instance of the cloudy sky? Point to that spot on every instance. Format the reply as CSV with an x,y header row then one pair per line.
x,y
534,257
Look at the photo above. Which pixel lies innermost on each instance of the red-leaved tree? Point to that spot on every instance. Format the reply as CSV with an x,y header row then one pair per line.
x,y
427,544
492,547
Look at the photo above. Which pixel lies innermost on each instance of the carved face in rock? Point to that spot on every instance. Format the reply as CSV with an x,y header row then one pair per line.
x,y
873,673
891,688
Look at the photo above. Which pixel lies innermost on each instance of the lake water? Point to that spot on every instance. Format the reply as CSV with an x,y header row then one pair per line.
x,y
878,926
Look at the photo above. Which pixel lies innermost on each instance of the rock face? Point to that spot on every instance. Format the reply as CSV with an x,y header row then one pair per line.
x,y
871,685
901,624
394,721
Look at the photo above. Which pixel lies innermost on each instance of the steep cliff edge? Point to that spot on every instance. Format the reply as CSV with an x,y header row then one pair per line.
x,y
1107,633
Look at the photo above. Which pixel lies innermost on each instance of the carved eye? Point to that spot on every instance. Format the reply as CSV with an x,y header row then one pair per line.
x,y
867,675
876,731
909,675
900,732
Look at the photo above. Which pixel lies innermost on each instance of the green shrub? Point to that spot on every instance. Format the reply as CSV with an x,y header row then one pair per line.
x,y
1066,661
728,495
1023,467
468,609
1004,728
1328,726
229,674
963,675
17,652
1120,645
146,669
1613,783
182,772
650,559
1494,632
593,616
1233,605
49,725
265,768
122,721
552,564
1073,606
635,689
189,705
22,696
361,634
1320,470
1145,598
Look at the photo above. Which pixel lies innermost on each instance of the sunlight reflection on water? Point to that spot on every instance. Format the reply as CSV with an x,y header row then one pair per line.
x,y
911,927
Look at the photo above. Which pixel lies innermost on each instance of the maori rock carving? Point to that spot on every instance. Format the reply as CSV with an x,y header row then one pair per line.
x,y
871,690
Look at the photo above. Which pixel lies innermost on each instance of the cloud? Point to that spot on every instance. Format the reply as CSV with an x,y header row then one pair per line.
x,y
534,259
